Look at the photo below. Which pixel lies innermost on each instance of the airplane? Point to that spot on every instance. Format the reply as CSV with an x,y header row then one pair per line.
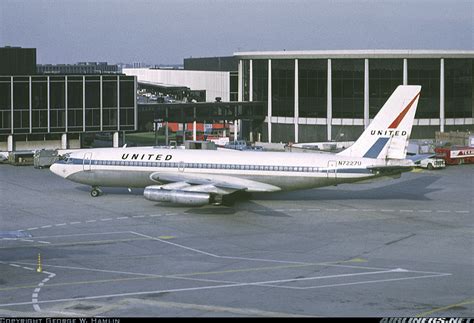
x,y
217,177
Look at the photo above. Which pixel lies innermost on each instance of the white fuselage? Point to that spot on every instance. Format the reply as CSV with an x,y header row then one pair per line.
x,y
199,177
133,167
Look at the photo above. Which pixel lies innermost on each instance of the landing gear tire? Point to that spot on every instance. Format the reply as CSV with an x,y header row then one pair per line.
x,y
96,192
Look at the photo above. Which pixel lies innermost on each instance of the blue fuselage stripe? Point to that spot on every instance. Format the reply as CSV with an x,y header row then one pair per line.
x,y
94,163
376,148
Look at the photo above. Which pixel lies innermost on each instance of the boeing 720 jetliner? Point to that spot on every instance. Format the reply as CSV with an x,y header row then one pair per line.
x,y
200,177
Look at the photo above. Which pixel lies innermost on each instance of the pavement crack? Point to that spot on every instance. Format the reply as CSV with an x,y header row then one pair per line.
x,y
400,239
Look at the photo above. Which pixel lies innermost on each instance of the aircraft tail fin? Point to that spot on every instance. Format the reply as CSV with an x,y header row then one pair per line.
x,y
387,135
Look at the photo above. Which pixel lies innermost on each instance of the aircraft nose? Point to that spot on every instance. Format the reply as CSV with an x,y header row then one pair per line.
x,y
57,169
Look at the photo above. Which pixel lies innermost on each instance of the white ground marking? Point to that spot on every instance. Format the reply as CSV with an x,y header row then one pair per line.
x,y
25,240
36,291
259,210
223,284
81,234
367,282
232,285
35,302
34,296
177,245
328,264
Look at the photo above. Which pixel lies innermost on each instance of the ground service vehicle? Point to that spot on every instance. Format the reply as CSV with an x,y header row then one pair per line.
x,y
431,163
456,155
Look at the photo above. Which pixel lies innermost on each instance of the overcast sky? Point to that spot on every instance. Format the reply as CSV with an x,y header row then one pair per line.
x,y
166,31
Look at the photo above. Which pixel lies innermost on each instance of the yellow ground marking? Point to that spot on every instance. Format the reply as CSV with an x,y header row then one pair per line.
x,y
440,309
166,237
81,282
65,244
357,260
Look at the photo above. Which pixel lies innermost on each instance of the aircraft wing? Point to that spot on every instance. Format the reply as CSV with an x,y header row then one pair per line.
x,y
417,158
390,168
217,184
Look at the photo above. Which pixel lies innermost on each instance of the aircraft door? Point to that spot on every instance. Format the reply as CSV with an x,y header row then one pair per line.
x,y
332,170
181,166
87,162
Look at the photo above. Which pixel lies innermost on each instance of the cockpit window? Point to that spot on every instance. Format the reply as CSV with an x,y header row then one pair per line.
x,y
65,157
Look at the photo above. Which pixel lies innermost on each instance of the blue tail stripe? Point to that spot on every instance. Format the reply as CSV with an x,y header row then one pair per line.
x,y
376,148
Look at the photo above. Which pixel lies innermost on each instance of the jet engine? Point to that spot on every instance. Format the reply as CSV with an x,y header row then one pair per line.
x,y
176,196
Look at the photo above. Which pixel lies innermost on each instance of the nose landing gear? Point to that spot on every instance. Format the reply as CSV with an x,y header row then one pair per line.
x,y
96,191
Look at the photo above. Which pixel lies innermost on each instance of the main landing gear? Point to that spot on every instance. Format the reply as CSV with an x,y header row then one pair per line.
x,y
96,191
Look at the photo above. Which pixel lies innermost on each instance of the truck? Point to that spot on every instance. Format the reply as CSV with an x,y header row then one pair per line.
x,y
45,158
219,141
237,145
21,158
456,155
431,163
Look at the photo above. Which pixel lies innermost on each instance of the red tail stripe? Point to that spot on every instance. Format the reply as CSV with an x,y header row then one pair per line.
x,y
400,117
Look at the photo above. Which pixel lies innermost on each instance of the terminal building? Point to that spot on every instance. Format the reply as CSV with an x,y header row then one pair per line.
x,y
333,95
54,111
215,77
79,68
298,96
